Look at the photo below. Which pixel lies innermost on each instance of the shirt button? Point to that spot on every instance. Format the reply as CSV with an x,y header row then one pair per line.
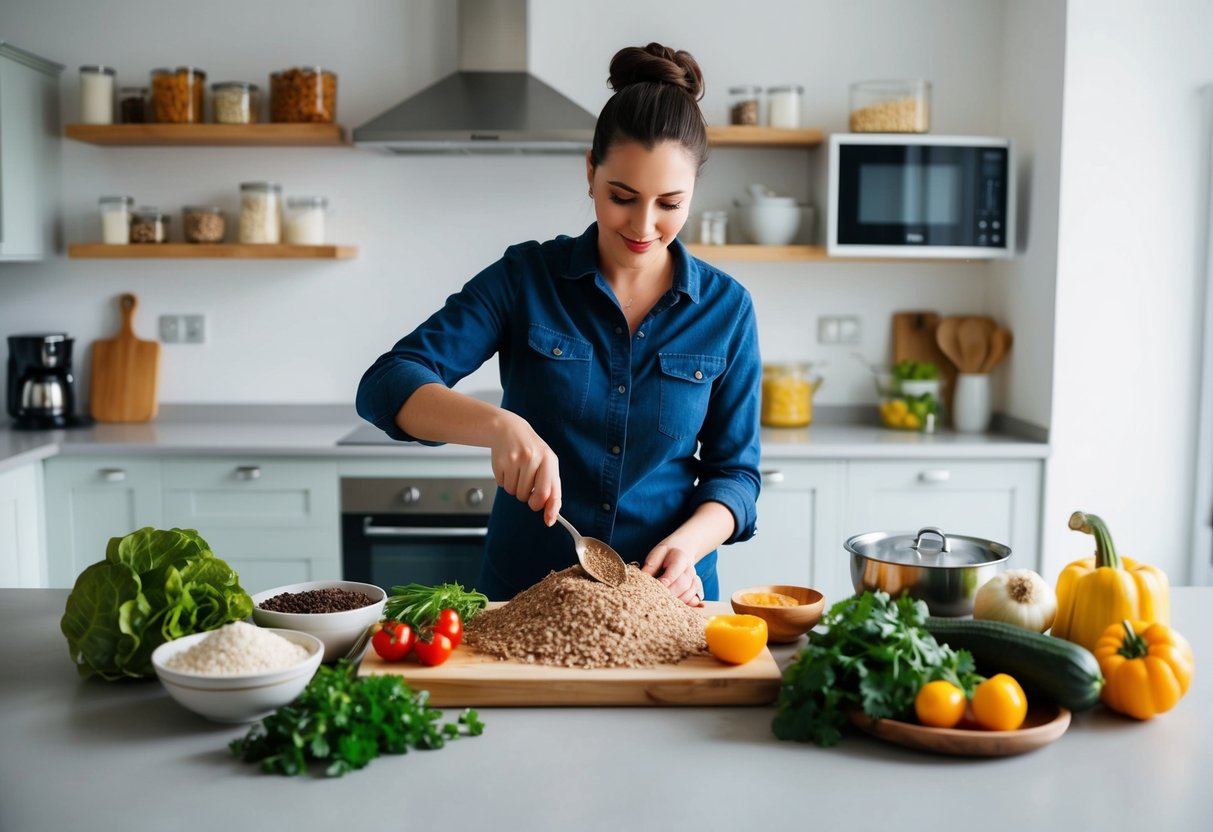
x,y
622,389
557,351
639,334
606,506
618,330
698,374
614,449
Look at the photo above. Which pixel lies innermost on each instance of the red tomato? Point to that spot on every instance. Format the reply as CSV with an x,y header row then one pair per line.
x,y
434,652
393,640
451,626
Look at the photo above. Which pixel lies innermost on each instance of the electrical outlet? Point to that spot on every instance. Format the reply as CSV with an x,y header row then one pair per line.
x,y
838,329
170,329
194,330
848,330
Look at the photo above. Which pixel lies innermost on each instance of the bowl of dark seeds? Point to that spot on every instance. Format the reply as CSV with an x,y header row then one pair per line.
x,y
336,612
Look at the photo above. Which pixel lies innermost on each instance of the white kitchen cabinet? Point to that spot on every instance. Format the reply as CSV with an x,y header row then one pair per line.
x,y
275,521
997,500
797,539
29,154
22,547
88,501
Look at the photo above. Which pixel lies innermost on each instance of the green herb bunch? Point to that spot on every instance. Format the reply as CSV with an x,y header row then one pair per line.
x,y
418,605
347,721
874,654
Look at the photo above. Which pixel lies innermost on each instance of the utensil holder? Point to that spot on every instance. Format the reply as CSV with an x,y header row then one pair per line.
x,y
971,403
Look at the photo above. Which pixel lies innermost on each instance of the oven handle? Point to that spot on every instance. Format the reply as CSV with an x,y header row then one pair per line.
x,y
371,530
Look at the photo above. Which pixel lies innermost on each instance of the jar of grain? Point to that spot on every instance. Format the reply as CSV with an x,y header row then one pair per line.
x,y
783,105
891,106
149,225
303,94
96,95
260,212
787,395
235,102
115,219
743,104
202,224
132,105
304,224
177,95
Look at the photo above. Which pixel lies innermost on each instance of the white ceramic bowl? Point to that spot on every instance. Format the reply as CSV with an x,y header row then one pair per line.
x,y
243,698
338,630
770,222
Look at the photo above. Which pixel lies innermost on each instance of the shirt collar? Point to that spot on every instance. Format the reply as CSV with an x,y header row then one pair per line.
x,y
583,260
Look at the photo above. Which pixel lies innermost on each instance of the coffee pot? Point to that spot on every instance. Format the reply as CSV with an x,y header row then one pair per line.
x,y
41,387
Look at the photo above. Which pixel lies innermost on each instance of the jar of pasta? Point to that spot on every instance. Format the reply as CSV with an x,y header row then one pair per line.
x,y
178,94
891,106
260,212
305,93
787,395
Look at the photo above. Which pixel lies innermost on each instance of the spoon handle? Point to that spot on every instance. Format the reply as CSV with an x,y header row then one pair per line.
x,y
576,535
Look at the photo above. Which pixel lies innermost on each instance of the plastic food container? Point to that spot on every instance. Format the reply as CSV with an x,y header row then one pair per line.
x,y
891,106
115,219
235,102
787,395
96,95
203,224
178,94
149,225
307,94
260,212
744,104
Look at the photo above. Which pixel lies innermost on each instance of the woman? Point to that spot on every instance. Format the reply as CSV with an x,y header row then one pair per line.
x,y
630,369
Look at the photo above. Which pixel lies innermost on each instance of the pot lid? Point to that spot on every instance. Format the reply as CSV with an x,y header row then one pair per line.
x,y
928,547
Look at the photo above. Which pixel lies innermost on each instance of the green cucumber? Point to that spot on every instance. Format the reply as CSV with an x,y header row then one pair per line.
x,y
1053,668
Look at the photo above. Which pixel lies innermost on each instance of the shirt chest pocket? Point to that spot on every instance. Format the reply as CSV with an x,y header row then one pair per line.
x,y
686,385
558,380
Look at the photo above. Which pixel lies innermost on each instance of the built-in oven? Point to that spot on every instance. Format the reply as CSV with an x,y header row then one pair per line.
x,y
426,530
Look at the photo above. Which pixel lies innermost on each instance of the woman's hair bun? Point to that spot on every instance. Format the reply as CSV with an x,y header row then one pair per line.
x,y
656,64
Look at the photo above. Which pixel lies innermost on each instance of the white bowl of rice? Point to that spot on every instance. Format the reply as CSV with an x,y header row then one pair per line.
x,y
239,672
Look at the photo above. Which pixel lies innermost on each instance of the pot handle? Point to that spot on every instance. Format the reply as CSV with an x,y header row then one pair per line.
x,y
945,547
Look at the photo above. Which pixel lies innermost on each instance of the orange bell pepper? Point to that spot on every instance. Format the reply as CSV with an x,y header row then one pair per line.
x,y
1148,668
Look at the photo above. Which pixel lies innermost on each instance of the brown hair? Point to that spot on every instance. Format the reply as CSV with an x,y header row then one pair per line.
x,y
657,92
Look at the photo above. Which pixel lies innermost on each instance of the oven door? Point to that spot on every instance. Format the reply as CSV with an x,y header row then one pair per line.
x,y
393,549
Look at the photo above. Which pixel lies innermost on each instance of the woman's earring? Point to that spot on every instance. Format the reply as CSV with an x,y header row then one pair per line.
x,y
591,193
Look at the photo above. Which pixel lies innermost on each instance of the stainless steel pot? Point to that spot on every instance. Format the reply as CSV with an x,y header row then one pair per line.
x,y
942,570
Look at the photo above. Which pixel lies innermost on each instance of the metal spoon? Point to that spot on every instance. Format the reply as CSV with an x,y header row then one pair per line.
x,y
355,654
600,561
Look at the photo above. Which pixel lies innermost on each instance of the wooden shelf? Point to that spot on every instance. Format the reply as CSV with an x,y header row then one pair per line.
x,y
743,135
209,251
216,135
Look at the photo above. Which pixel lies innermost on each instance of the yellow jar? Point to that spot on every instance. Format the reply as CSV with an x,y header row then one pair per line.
x,y
787,395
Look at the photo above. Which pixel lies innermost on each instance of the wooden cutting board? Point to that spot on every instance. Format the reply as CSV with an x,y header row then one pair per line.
x,y
914,338
472,679
125,369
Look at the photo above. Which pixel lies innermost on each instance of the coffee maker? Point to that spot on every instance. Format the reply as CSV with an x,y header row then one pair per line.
x,y
41,388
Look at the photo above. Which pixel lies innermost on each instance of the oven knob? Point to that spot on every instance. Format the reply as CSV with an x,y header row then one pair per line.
x,y
410,495
475,496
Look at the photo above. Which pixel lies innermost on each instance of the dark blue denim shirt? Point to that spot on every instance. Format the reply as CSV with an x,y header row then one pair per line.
x,y
646,426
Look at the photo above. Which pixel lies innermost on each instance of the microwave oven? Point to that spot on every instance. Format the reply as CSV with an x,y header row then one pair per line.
x,y
902,195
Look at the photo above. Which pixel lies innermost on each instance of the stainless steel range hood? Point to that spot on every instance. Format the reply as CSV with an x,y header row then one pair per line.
x,y
491,105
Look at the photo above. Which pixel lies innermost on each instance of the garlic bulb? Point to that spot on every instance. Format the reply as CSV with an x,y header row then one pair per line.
x,y
1019,597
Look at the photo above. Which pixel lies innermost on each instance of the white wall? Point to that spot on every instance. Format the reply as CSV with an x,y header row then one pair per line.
x,y
303,332
1130,263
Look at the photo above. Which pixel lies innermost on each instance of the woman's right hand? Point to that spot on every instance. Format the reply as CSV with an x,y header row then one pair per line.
x,y
525,466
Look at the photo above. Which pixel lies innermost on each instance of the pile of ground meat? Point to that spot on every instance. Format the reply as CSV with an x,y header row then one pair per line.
x,y
570,620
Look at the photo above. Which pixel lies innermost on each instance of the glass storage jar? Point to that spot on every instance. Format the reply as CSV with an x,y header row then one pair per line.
x,y
202,224
912,405
96,95
132,105
787,395
891,106
783,105
306,93
115,219
304,220
744,104
260,212
235,102
149,225
178,95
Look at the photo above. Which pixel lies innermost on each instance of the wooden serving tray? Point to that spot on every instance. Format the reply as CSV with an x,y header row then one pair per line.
x,y
472,679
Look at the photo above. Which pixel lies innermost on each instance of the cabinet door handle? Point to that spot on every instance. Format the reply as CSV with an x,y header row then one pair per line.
x,y
934,475
248,472
112,474
772,477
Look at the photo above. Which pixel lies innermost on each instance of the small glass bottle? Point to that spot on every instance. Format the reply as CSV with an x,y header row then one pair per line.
x,y
132,105
115,219
202,224
96,95
304,223
235,102
743,104
783,106
260,212
149,225
178,94
787,396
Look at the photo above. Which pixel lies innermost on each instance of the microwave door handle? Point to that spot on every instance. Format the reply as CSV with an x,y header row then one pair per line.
x,y
371,530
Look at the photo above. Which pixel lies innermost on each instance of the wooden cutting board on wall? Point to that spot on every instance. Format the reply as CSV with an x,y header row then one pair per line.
x,y
125,370
914,338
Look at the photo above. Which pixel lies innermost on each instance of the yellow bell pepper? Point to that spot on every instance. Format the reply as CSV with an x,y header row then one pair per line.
x,y
1096,592
1148,668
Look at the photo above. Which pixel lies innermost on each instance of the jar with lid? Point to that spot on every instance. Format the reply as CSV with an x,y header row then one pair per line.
x,y
787,395
97,95
178,94
891,106
783,106
115,219
202,224
235,102
149,225
260,212
304,223
743,104
306,93
132,105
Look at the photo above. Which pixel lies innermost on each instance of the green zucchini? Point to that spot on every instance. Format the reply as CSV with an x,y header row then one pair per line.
x,y
1053,668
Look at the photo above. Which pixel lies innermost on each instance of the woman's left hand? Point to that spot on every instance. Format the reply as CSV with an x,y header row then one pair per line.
x,y
675,568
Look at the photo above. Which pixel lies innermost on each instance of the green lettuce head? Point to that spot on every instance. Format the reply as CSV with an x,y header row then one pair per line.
x,y
154,585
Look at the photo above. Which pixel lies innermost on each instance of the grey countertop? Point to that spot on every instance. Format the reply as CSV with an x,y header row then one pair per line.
x,y
314,430
84,754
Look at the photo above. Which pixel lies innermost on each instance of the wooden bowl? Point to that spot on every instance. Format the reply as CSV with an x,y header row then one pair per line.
x,y
784,624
